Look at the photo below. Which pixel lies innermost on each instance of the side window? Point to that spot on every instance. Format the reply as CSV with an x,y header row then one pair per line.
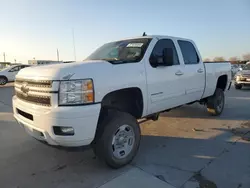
x,y
157,52
22,66
18,68
189,53
14,69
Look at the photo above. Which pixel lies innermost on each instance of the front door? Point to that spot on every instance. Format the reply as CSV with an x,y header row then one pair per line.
x,y
166,87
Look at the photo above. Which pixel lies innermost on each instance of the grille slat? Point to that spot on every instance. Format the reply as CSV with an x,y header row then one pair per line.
x,y
35,99
35,83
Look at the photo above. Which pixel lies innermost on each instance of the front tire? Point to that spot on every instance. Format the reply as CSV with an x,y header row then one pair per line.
x,y
215,103
119,140
237,86
3,80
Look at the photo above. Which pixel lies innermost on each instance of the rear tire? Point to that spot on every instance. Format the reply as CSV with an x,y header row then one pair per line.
x,y
119,139
215,103
3,80
237,86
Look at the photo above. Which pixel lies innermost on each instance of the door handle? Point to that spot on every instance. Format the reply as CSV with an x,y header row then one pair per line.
x,y
179,73
200,70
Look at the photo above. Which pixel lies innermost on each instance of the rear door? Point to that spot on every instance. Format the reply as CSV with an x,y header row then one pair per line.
x,y
166,87
194,71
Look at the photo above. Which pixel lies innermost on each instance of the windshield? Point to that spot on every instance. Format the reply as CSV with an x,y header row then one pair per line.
x,y
124,51
246,67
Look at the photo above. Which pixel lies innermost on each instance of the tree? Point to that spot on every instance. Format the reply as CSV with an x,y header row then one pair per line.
x,y
235,58
206,60
219,59
246,57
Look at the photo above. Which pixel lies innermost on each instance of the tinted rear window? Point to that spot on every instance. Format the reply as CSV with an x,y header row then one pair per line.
x,y
189,53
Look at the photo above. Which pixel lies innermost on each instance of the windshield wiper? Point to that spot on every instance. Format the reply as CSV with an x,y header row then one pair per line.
x,y
116,61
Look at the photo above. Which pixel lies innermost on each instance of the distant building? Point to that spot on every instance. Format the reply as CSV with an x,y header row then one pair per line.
x,y
4,64
42,62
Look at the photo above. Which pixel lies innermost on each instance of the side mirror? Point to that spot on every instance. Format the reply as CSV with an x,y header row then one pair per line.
x,y
168,56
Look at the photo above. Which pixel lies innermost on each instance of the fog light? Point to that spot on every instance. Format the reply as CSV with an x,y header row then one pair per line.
x,y
63,131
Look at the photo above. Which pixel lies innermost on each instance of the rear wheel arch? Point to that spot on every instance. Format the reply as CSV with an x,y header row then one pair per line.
x,y
2,76
222,82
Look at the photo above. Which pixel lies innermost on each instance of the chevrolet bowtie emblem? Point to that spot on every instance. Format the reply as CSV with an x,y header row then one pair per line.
x,y
24,88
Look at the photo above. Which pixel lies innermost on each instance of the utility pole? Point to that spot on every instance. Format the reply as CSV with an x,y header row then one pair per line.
x,y
73,36
4,56
57,52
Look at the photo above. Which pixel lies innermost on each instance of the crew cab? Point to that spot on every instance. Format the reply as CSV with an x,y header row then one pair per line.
x,y
101,100
8,74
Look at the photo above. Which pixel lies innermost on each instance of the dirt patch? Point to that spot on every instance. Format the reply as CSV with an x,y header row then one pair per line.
x,y
246,124
243,131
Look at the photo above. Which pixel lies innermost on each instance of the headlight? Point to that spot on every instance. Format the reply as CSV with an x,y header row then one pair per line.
x,y
76,92
238,77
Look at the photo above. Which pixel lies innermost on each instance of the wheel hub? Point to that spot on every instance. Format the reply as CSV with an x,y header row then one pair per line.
x,y
220,102
2,81
123,141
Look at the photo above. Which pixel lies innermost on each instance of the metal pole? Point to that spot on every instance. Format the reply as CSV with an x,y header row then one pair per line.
x,y
73,36
57,55
4,57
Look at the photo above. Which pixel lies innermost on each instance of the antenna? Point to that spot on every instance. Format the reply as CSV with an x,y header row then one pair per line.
x,y
144,34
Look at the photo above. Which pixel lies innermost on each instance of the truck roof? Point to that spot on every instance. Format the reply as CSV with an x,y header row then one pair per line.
x,y
157,37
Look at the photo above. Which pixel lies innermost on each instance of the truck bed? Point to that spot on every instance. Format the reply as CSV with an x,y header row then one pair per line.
x,y
213,71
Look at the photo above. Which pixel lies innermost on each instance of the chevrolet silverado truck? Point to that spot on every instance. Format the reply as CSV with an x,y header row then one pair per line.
x,y
242,78
100,101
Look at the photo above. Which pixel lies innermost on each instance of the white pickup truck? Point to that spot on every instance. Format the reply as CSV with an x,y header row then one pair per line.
x,y
100,100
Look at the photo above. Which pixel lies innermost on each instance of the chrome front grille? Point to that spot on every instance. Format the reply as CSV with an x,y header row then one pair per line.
x,y
37,92
35,99
246,75
35,83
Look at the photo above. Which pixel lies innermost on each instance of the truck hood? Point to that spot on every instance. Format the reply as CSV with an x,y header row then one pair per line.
x,y
61,71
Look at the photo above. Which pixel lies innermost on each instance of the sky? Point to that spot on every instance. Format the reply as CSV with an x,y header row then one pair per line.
x,y
37,28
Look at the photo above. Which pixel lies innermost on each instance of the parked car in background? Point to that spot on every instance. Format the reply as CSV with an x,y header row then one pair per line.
x,y
100,100
242,78
8,74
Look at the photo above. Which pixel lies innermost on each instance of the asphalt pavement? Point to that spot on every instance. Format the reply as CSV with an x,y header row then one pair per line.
x,y
185,148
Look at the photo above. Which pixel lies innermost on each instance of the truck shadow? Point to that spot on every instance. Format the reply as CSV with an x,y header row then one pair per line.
x,y
171,158
236,108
